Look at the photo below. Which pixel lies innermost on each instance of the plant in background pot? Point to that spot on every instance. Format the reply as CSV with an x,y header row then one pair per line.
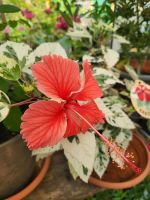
x,y
132,21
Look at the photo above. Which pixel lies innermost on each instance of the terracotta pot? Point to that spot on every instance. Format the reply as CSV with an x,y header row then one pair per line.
x,y
116,178
145,68
36,181
17,166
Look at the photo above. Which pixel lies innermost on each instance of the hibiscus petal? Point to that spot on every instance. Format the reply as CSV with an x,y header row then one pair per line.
x,y
90,89
44,124
89,111
56,76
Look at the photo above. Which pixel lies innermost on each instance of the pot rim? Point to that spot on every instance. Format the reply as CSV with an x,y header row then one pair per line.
x,y
11,140
129,183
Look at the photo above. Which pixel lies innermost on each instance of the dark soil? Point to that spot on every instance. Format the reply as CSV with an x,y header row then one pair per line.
x,y
5,134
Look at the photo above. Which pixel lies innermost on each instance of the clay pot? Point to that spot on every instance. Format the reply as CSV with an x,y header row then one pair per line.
x,y
145,68
116,178
17,166
41,172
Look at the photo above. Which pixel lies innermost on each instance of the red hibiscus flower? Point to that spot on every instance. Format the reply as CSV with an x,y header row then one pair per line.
x,y
47,122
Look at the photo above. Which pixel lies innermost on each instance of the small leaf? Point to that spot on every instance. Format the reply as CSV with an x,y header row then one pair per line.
x,y
12,23
26,22
7,8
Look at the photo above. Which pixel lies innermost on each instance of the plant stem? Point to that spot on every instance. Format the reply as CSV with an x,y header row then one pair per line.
x,y
111,145
27,101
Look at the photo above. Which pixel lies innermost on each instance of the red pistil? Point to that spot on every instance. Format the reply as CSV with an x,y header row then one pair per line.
x,y
136,169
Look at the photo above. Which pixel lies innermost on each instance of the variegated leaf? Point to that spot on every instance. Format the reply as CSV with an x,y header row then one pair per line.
x,y
46,151
122,140
72,171
102,159
115,116
4,105
45,49
92,59
80,153
79,31
111,57
105,78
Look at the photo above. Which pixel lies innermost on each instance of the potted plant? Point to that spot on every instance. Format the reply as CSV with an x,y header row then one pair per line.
x,y
61,121
131,21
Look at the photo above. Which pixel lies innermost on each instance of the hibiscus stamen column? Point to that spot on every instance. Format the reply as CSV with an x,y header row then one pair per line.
x,y
136,169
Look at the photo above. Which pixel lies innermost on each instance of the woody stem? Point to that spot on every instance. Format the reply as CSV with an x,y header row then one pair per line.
x,y
113,146
27,101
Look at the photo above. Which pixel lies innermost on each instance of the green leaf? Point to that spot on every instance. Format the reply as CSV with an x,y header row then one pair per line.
x,y
2,26
68,7
13,120
12,23
4,85
7,8
13,73
16,94
23,21
67,18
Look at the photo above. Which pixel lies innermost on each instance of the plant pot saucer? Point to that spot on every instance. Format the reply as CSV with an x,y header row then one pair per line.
x,y
116,178
35,182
